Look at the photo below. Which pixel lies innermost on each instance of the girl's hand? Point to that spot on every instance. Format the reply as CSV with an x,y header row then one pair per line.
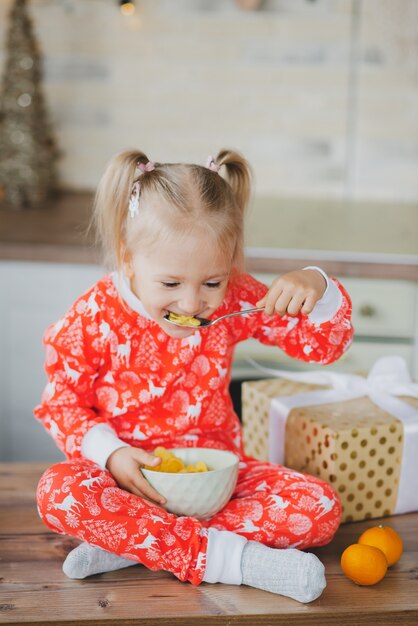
x,y
294,292
124,464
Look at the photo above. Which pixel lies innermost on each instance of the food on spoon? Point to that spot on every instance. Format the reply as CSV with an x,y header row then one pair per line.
x,y
183,320
172,464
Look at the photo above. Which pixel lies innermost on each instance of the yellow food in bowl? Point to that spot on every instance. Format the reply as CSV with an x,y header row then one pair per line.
x,y
183,319
199,494
172,464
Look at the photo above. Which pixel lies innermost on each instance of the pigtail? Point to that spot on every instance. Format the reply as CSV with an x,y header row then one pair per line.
x,y
238,175
111,204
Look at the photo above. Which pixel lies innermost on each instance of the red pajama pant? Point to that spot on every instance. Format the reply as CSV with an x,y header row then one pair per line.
x,y
272,504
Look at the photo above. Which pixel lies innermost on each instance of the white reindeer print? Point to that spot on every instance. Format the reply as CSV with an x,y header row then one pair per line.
x,y
91,482
92,305
67,504
248,526
74,375
121,410
147,543
156,392
262,486
124,351
194,410
279,502
324,505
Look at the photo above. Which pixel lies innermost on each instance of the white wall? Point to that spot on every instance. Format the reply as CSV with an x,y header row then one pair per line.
x,y
33,295
322,97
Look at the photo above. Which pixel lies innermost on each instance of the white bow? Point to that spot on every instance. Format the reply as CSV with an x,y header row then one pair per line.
x,y
389,377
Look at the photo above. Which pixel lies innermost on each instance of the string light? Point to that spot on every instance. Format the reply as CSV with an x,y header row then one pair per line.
x,y
127,7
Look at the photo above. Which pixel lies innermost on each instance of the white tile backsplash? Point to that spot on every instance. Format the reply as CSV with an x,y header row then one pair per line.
x,y
322,97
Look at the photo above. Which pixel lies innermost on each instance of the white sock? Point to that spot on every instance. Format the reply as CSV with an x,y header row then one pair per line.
x,y
293,573
223,557
86,560
234,560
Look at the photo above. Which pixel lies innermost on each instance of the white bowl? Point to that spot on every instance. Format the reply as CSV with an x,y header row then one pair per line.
x,y
200,494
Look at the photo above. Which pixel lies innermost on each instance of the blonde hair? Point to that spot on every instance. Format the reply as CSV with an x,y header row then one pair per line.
x,y
175,199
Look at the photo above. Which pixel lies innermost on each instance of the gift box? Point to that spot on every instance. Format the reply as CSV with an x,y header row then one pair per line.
x,y
358,433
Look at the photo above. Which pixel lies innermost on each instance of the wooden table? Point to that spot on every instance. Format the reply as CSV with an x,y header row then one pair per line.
x,y
35,591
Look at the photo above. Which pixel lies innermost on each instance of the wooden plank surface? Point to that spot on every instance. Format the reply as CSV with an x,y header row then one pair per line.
x,y
34,590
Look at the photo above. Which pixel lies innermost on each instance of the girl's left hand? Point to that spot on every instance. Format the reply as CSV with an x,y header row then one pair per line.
x,y
294,292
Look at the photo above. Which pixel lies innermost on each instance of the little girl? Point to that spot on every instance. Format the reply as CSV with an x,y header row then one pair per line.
x,y
123,380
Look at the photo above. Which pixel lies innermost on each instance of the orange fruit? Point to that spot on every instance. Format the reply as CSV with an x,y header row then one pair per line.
x,y
365,565
386,539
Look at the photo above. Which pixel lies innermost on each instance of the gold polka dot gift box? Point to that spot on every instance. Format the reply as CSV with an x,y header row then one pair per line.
x,y
360,434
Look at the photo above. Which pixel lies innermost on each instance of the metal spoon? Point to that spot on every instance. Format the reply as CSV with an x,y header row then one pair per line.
x,y
204,323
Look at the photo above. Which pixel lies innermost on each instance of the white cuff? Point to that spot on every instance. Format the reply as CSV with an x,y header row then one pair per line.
x,y
223,557
325,309
99,442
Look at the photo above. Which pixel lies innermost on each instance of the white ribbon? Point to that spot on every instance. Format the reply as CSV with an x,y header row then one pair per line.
x,y
388,378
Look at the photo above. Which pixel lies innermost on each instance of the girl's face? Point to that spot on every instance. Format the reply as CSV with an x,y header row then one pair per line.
x,y
188,277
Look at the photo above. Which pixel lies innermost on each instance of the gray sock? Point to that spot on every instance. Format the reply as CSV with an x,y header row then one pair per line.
x,y
293,573
86,560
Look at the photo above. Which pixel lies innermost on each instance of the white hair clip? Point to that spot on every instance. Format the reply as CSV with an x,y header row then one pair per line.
x,y
134,200
133,207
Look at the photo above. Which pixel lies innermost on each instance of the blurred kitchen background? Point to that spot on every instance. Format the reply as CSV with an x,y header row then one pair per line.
x,y
321,96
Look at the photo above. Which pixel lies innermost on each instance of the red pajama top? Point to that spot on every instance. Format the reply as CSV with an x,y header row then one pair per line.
x,y
108,364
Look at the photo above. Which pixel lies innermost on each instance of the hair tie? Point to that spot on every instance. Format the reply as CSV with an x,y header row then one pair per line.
x,y
146,167
211,165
